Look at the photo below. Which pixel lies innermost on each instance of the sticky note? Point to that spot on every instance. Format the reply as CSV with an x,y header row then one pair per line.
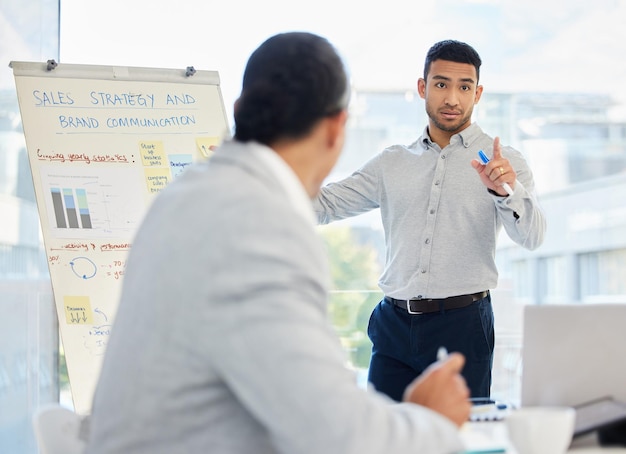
x,y
77,310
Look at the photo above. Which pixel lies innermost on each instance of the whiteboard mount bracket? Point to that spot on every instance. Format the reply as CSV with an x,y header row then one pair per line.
x,y
51,64
190,71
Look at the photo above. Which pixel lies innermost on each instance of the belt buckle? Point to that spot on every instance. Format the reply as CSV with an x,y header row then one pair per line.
x,y
408,309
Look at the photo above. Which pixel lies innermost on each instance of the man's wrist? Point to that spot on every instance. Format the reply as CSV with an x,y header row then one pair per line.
x,y
492,192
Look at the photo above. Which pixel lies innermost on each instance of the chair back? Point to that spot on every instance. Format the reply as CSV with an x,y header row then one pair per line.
x,y
59,430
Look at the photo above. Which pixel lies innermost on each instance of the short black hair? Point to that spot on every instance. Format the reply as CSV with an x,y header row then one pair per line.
x,y
451,50
290,82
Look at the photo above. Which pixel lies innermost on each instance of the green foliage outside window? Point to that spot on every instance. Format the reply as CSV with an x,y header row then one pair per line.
x,y
354,269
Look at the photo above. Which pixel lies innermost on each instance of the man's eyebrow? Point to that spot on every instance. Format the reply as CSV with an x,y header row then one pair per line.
x,y
467,80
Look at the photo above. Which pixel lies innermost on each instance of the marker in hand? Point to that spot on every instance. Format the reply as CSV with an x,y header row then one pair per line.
x,y
484,159
442,354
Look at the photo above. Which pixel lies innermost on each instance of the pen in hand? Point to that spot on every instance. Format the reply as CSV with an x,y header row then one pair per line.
x,y
484,159
442,354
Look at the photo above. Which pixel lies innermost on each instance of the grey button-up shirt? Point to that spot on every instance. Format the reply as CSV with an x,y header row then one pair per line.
x,y
440,222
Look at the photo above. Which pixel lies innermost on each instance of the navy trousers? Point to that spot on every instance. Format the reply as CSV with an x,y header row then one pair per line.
x,y
405,344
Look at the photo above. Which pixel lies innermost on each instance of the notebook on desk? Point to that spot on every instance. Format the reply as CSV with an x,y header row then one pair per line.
x,y
573,353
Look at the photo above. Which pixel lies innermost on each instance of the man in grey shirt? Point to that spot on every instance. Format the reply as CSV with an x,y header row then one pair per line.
x,y
442,211
222,342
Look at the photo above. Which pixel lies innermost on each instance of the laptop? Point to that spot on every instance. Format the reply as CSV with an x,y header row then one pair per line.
x,y
573,354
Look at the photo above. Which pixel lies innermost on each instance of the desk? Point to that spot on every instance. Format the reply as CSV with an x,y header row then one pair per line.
x,y
495,433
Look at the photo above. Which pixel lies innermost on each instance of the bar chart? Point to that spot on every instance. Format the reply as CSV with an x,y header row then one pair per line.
x,y
71,209
93,204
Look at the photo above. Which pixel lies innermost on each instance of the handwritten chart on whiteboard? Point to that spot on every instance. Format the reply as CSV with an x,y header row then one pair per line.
x,y
102,142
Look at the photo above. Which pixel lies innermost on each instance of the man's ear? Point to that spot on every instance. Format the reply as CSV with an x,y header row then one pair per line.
x,y
421,87
336,127
479,92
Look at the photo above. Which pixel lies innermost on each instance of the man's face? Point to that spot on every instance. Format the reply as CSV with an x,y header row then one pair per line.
x,y
450,91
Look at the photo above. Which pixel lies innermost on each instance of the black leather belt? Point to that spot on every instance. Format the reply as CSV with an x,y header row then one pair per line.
x,y
428,305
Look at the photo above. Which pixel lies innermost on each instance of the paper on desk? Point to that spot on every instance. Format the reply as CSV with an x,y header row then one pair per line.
x,y
479,439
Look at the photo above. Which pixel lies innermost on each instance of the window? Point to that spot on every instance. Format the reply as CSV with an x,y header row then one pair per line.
x,y
29,344
602,276
522,280
553,272
547,94
569,123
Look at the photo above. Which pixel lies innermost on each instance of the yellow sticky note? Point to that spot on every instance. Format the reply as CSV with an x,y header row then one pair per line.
x,y
77,310
205,144
157,179
152,153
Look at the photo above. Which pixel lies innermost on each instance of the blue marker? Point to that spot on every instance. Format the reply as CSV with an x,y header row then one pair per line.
x,y
483,157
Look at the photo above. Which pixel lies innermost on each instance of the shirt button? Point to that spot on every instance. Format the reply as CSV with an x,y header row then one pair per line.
x,y
427,241
437,183
432,211
443,156
423,271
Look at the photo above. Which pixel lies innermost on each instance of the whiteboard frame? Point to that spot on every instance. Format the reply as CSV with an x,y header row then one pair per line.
x,y
129,73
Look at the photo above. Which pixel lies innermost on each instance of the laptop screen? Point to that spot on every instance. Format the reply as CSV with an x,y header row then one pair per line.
x,y
573,353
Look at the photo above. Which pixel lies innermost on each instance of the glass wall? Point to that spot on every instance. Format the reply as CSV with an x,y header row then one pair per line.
x,y
546,94
29,340
550,91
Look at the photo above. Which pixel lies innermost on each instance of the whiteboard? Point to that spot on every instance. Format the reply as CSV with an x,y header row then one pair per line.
x,y
102,142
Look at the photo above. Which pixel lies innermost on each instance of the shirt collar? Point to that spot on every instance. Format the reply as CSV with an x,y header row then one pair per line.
x,y
287,179
465,137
